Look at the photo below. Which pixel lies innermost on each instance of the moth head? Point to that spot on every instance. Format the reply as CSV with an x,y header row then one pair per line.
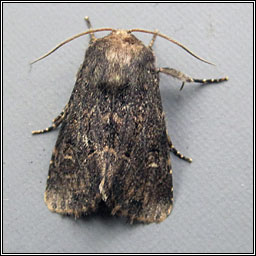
x,y
123,40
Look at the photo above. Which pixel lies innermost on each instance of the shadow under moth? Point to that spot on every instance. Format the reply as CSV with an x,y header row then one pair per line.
x,y
113,146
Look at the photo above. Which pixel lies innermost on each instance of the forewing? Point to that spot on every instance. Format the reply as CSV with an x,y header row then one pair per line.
x,y
74,173
139,184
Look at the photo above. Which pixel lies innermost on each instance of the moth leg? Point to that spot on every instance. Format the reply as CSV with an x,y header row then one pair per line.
x,y
176,152
184,78
153,40
89,25
55,122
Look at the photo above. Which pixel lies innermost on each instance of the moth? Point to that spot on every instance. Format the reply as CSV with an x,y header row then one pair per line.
x,y
113,146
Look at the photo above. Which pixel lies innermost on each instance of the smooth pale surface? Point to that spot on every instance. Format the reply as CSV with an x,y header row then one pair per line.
x,y
213,196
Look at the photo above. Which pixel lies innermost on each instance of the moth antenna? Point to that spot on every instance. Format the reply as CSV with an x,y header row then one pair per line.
x,y
171,40
129,31
70,39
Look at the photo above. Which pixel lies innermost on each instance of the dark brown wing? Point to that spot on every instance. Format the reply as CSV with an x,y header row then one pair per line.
x,y
75,171
138,179
113,144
